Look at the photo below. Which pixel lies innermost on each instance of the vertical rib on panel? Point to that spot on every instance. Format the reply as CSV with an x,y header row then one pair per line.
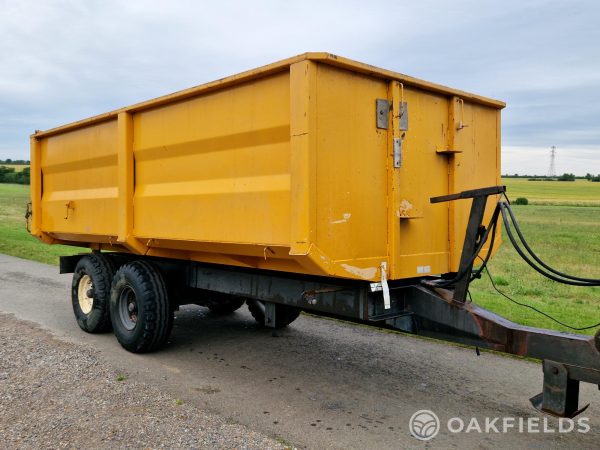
x,y
303,83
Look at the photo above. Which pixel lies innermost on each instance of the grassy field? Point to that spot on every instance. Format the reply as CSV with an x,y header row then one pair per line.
x,y
578,192
14,238
565,235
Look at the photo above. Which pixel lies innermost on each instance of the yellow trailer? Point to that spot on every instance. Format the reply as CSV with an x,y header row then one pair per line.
x,y
314,165
316,183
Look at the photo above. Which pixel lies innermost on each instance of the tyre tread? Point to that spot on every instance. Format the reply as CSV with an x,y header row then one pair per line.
x,y
103,273
158,315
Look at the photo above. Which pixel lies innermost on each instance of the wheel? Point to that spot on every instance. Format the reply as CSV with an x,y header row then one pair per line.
x,y
284,314
223,304
140,311
90,292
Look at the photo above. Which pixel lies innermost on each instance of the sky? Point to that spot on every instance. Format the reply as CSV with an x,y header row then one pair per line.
x,y
65,60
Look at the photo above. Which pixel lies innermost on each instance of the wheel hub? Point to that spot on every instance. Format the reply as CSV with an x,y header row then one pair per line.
x,y
128,310
85,291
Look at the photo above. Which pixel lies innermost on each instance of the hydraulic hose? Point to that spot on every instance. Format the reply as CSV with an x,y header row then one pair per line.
x,y
534,256
505,216
485,260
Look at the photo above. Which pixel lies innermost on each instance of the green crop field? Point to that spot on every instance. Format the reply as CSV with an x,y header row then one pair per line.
x,y
17,167
578,192
564,234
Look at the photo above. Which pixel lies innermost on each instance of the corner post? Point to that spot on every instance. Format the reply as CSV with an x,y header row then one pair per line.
x,y
125,174
303,124
36,186
36,190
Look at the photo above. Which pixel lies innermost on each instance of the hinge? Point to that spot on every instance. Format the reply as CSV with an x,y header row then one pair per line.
x,y
403,117
397,152
382,110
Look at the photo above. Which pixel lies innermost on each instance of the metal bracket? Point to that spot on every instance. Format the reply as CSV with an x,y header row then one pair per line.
x,y
270,314
403,117
382,110
397,153
473,233
375,287
70,205
28,214
560,396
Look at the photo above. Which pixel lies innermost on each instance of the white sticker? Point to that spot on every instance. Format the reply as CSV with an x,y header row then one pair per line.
x,y
423,269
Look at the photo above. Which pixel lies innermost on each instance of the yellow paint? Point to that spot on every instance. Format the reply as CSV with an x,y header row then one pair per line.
x,y
279,168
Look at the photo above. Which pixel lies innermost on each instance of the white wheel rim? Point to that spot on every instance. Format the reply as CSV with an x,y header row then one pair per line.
x,y
86,303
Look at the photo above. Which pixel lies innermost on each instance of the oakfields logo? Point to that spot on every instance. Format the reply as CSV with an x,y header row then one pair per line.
x,y
425,425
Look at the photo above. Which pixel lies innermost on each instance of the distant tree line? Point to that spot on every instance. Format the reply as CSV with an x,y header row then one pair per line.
x,y
10,175
563,177
14,161
590,177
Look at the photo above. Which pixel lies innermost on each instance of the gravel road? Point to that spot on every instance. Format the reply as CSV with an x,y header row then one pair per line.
x,y
55,394
320,384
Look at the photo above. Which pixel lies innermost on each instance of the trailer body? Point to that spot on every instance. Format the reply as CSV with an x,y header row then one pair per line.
x,y
314,165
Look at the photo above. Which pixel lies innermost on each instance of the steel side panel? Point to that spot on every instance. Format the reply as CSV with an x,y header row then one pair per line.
x,y
216,168
80,168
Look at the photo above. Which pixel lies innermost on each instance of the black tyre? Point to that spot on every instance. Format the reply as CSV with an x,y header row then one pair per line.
x,y
223,304
90,292
141,314
284,314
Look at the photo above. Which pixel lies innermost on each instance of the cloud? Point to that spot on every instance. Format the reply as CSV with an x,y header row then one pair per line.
x,y
63,60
